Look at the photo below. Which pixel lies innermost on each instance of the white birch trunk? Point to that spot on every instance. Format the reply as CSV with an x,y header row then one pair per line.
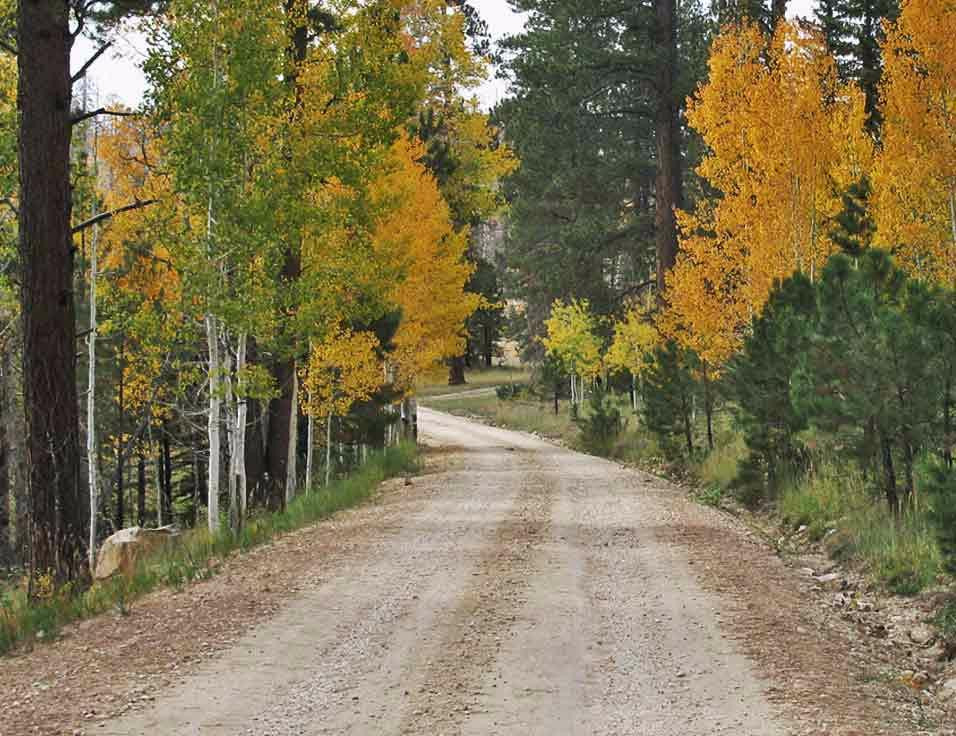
x,y
634,392
91,401
215,406
290,478
328,450
309,454
159,480
230,405
239,457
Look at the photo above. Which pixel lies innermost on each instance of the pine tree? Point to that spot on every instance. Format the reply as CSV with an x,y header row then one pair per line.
x,y
854,33
669,393
758,379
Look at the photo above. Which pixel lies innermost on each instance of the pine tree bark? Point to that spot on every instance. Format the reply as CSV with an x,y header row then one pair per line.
x,y
46,294
6,549
669,191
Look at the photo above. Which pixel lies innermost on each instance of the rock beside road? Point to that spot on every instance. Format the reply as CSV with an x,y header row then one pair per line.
x,y
121,552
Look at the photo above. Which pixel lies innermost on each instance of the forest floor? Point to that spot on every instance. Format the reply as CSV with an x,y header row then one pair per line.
x,y
515,588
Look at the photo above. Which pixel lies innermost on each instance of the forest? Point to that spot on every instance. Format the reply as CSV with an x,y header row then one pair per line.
x,y
745,223
726,238
222,300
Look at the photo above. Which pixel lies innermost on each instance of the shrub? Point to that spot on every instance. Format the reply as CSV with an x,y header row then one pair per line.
x,y
601,425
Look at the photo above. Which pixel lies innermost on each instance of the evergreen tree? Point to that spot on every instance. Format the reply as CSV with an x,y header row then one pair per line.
x,y
759,378
597,92
870,374
669,390
853,228
854,32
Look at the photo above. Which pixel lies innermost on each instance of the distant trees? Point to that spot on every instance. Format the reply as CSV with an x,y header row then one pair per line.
x,y
599,90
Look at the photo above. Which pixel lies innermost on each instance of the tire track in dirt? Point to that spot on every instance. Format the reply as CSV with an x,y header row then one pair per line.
x,y
481,624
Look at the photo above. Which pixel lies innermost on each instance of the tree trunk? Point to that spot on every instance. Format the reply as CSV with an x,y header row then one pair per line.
x,y
282,410
489,345
310,454
255,451
213,427
291,479
709,410
328,450
456,371
6,556
778,11
232,432
197,482
46,293
91,402
669,191
239,458
141,488
119,510
167,472
889,473
948,422
688,417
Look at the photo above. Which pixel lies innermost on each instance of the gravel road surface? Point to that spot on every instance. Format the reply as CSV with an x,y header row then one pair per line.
x,y
533,593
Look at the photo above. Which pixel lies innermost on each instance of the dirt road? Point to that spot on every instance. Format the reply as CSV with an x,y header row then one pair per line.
x,y
529,595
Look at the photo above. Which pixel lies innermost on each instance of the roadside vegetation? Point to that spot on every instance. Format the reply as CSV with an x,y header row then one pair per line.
x,y
195,555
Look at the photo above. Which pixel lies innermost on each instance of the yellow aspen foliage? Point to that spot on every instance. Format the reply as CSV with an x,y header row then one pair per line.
x,y
142,296
343,368
571,338
915,178
416,243
635,336
134,246
785,136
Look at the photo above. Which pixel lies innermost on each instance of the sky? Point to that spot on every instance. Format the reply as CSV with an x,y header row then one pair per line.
x,y
117,74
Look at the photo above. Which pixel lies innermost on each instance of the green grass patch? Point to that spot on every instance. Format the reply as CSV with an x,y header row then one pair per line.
x,y
718,469
191,558
901,552
483,378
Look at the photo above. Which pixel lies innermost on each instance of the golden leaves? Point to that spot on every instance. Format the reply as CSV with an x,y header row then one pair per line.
x,y
915,176
572,338
785,137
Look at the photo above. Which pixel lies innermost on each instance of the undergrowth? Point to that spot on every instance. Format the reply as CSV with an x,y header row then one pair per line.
x,y
192,558
899,551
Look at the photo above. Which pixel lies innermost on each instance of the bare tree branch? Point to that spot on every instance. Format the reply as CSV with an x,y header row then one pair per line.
x,y
81,116
103,216
90,62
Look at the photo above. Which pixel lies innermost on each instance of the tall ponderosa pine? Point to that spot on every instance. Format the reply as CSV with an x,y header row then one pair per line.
x,y
598,89
45,31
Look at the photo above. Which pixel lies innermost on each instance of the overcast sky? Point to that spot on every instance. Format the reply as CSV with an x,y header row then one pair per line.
x,y
117,74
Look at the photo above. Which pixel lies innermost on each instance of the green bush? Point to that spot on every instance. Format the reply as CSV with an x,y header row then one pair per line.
x,y
940,485
601,425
